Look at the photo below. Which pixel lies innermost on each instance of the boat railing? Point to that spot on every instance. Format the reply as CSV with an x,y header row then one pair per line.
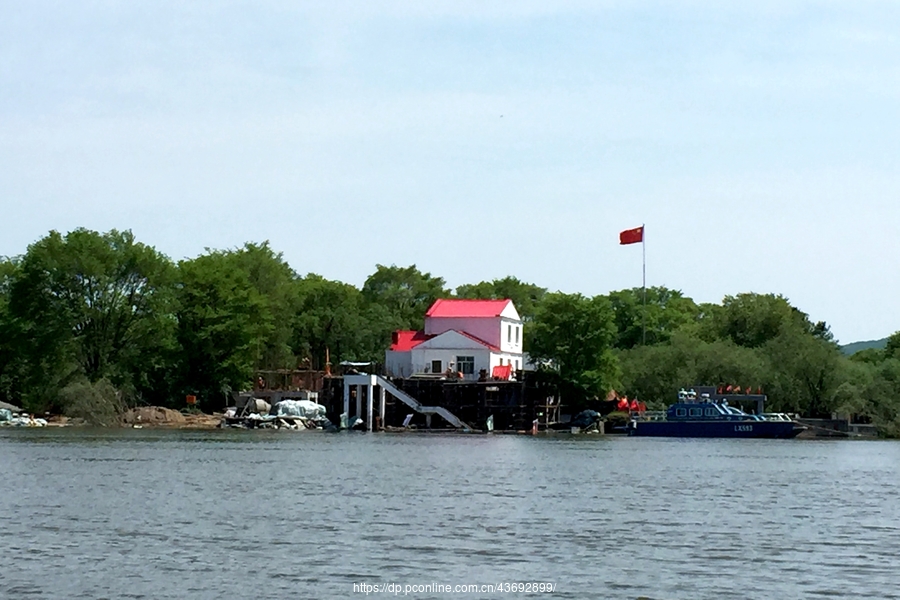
x,y
776,417
649,415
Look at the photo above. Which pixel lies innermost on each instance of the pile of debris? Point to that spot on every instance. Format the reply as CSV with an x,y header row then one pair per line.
x,y
587,421
9,418
286,414
153,416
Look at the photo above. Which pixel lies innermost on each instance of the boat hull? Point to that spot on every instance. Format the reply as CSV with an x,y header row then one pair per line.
x,y
715,429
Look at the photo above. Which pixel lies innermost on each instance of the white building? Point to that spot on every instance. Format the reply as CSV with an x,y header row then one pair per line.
x,y
461,336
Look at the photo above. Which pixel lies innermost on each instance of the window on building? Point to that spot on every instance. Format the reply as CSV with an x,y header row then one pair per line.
x,y
517,365
501,362
437,366
465,365
509,333
517,335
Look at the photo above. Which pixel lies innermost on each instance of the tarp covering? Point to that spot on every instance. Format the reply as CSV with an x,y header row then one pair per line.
x,y
502,372
10,407
258,405
299,408
585,419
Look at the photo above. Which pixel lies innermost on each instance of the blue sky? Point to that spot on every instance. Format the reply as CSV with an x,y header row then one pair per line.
x,y
759,142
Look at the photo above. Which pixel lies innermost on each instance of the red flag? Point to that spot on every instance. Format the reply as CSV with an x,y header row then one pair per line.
x,y
632,236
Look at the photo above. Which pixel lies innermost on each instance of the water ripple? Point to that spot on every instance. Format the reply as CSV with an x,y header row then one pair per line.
x,y
174,514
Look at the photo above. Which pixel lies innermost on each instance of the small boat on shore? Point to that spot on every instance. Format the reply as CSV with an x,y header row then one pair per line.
x,y
711,417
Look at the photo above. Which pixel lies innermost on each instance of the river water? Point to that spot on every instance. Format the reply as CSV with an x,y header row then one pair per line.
x,y
273,514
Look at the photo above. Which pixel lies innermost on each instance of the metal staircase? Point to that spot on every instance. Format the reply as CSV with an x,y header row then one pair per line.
x,y
417,406
369,382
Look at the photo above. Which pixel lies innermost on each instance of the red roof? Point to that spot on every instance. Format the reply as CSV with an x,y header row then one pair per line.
x,y
404,341
446,307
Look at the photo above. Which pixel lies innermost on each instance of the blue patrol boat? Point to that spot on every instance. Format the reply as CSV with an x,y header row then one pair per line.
x,y
710,415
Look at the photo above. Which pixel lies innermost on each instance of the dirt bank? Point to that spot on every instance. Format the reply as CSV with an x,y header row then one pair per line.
x,y
157,416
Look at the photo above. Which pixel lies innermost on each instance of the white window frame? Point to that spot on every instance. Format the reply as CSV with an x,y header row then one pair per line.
x,y
465,365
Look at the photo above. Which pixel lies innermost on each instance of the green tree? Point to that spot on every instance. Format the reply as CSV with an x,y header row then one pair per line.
x,y
751,320
666,312
93,305
892,346
868,355
655,373
575,335
9,356
222,322
405,293
525,296
275,283
868,393
333,316
804,372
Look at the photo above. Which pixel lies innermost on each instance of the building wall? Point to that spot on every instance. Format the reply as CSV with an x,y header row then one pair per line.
x,y
493,330
404,364
398,364
484,328
421,359
511,343
508,359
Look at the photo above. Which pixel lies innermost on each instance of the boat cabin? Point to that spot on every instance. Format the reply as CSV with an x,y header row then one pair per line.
x,y
691,408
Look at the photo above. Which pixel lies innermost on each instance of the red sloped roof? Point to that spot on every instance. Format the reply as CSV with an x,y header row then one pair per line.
x,y
404,341
448,307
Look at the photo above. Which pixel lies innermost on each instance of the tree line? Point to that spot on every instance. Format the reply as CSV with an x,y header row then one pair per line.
x,y
86,311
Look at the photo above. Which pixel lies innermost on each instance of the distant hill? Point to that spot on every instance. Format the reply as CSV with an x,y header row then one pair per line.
x,y
855,347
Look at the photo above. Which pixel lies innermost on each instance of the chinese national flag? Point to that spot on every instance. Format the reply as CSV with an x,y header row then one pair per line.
x,y
632,236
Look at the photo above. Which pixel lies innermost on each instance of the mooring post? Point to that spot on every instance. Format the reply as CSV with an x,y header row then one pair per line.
x,y
346,401
370,399
381,395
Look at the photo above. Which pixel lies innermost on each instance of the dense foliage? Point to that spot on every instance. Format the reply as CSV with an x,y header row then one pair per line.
x,y
100,319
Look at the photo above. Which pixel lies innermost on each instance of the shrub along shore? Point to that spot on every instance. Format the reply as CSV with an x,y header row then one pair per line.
x,y
92,324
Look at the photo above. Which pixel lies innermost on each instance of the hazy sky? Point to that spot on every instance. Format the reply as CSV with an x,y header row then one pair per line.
x,y
758,141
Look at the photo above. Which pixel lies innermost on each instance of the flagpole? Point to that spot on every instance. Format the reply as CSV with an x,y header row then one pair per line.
x,y
644,285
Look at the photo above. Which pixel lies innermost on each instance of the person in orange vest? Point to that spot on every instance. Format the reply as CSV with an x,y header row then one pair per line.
x,y
634,405
622,405
642,408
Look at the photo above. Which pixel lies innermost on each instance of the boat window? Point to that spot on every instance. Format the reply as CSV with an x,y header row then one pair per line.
x,y
680,412
711,412
696,412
